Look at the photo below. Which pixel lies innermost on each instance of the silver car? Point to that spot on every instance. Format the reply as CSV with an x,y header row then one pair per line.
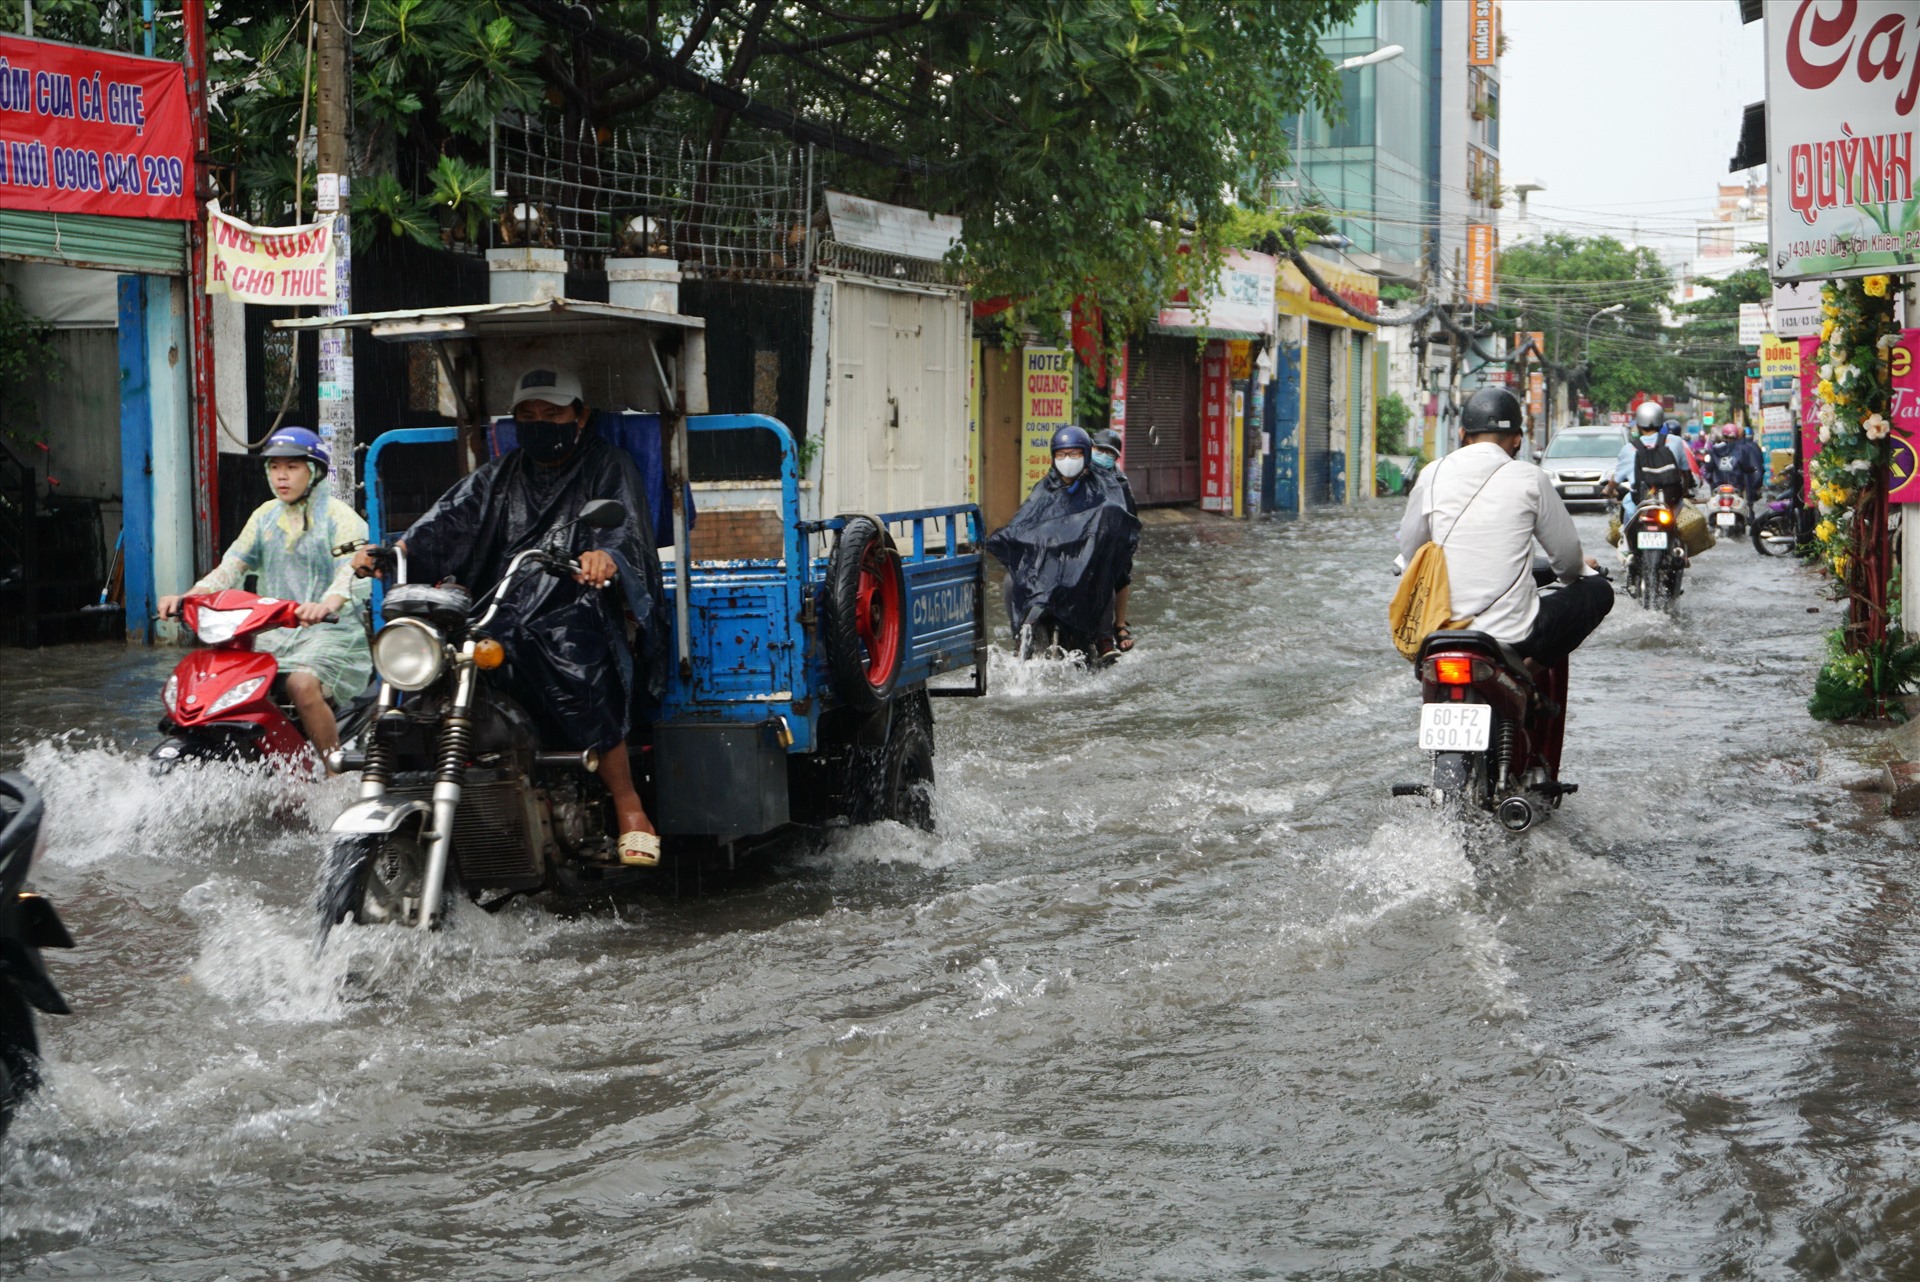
x,y
1578,463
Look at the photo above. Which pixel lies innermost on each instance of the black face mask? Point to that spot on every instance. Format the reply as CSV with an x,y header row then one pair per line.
x,y
545,442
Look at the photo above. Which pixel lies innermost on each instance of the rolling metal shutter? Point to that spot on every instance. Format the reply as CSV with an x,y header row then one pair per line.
x,y
1317,447
139,245
1163,419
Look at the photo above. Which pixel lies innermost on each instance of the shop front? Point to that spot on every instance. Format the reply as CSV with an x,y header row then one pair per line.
x,y
98,450
1319,423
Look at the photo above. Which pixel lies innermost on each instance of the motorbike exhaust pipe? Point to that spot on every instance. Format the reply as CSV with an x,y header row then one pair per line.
x,y
1516,813
588,761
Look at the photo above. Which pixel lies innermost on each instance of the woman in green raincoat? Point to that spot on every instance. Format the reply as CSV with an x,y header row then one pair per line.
x,y
288,543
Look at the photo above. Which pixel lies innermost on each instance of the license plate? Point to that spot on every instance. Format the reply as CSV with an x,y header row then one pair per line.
x,y
1455,727
1654,539
1579,491
1724,519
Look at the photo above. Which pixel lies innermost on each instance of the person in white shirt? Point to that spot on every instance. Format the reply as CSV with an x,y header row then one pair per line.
x,y
1486,511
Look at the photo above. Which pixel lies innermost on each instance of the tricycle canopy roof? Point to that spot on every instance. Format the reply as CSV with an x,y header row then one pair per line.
x,y
548,317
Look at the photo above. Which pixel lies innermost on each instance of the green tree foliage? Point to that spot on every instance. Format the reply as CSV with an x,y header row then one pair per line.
x,y
1390,415
1556,285
1095,150
1712,329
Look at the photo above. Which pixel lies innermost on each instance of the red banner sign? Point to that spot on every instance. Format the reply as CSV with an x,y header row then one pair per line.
x,y
1216,429
84,131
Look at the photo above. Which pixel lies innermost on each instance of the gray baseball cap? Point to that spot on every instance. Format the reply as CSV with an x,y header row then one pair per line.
x,y
554,386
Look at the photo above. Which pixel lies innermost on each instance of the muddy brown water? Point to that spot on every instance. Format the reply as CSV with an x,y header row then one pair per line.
x,y
1176,991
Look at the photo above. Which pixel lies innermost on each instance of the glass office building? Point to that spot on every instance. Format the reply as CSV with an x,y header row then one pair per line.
x,y
1379,166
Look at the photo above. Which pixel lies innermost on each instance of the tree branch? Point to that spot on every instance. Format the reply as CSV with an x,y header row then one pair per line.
x,y
678,77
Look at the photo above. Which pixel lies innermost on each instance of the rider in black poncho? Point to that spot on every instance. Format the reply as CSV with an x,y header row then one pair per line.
x,y
1069,547
576,655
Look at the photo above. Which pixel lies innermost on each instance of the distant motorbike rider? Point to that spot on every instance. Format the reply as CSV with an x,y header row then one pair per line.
x,y
1107,445
571,659
287,544
1070,546
1655,462
1737,461
1501,509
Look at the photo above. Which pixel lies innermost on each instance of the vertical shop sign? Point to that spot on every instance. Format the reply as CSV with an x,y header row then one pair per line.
x,y
1809,413
1216,431
1046,406
1117,409
1482,257
1903,464
1779,366
1483,35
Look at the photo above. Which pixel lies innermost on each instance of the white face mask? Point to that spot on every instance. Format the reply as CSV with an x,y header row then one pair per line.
x,y
1070,466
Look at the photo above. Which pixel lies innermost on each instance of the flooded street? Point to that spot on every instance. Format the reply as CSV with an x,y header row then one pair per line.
x,y
1176,990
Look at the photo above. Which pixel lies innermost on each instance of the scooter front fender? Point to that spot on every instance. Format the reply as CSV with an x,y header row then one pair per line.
x,y
378,816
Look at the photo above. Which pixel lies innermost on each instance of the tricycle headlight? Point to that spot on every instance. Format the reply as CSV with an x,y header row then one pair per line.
x,y
408,654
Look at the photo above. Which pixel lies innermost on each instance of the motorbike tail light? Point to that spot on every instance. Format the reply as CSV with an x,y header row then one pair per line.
x,y
1453,670
1663,516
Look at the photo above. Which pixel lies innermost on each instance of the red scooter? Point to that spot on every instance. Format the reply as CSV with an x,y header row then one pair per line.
x,y
223,703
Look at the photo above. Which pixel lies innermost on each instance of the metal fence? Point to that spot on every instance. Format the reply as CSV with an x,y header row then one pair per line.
x,y
748,214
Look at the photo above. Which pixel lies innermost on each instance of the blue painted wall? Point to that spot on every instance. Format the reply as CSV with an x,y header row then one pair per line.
x,y
136,456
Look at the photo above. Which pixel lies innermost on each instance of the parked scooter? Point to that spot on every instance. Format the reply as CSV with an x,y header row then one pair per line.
x,y
1727,512
225,702
1656,561
1775,528
28,923
1494,728
455,786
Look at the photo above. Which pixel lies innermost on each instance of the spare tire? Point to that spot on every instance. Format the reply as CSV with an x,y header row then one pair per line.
x,y
866,615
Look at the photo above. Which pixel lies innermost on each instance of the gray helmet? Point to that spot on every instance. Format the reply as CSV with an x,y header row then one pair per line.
x,y
1649,416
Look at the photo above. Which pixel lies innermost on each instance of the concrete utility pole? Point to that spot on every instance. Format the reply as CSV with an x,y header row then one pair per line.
x,y
336,345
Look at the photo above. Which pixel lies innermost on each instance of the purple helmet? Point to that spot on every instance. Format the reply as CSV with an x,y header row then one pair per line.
x,y
298,442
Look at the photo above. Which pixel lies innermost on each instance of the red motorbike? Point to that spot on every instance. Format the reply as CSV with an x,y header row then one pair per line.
x,y
225,702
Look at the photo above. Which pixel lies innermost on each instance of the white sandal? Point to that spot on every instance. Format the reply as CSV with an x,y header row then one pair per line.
x,y
641,849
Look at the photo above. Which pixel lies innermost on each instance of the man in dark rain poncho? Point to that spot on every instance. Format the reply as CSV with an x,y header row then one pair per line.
x,y
575,652
1069,547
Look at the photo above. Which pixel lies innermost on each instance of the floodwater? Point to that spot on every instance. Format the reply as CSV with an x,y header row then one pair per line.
x,y
1176,991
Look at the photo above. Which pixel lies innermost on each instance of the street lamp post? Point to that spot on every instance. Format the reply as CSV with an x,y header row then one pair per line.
x,y
1386,53
1586,340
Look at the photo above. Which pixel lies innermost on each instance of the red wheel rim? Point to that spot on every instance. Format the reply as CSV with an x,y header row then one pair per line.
x,y
877,615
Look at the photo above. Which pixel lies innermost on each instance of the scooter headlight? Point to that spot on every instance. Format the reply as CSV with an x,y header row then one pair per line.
x,y
409,655
171,695
239,694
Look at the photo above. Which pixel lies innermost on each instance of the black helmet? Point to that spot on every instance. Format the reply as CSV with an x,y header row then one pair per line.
x,y
1107,439
1492,409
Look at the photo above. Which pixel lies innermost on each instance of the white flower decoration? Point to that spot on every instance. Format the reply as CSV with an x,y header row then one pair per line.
x,y
1876,428
1888,342
1826,370
1859,465
1826,432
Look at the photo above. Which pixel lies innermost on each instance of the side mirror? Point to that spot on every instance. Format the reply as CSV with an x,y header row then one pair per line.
x,y
603,514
